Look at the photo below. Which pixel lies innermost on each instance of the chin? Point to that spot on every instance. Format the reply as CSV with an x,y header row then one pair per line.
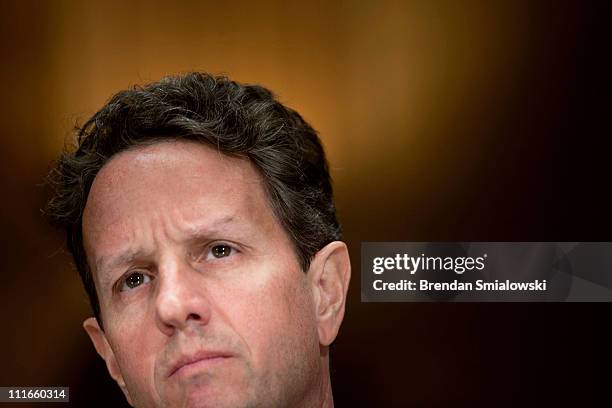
x,y
206,398
204,391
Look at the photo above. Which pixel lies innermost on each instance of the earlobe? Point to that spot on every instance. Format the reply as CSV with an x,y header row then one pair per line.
x,y
331,273
98,338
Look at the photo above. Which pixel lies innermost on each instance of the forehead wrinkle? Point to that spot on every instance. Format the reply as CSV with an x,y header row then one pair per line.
x,y
197,229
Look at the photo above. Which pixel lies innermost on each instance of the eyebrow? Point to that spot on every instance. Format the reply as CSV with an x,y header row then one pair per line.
x,y
108,263
206,231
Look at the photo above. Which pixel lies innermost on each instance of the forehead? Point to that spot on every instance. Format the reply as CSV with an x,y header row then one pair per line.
x,y
183,180
170,165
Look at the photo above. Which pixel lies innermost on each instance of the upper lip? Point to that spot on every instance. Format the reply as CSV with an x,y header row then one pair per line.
x,y
186,359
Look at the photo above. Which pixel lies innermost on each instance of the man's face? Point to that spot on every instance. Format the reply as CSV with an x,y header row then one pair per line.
x,y
203,300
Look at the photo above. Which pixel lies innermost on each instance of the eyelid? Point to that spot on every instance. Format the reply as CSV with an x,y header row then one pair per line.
x,y
205,251
118,286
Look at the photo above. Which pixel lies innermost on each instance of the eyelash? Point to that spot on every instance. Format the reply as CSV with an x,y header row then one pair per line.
x,y
121,284
209,248
123,281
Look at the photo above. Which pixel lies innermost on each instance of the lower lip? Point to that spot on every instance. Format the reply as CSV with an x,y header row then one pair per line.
x,y
199,365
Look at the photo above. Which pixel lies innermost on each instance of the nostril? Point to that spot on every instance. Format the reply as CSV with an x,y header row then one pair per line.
x,y
193,316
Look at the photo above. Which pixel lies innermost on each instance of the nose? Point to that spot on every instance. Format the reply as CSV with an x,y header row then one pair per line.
x,y
181,298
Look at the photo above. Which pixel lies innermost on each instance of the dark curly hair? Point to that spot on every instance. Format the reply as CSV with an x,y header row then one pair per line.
x,y
237,119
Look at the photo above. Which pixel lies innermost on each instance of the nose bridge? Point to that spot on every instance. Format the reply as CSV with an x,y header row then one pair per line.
x,y
180,297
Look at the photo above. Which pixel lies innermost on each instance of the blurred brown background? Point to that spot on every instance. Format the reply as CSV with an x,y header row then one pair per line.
x,y
452,120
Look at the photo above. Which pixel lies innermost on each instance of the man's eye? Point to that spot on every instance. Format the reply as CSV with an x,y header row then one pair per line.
x,y
134,280
220,251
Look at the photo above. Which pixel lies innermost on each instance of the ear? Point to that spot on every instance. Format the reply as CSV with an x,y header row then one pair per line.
x,y
98,338
330,273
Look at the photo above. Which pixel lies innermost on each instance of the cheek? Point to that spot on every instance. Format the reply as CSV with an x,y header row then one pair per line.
x,y
135,351
277,320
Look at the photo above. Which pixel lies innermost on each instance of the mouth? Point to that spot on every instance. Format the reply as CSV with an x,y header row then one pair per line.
x,y
197,361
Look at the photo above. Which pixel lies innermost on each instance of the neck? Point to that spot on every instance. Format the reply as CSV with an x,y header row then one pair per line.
x,y
327,398
318,394
323,397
